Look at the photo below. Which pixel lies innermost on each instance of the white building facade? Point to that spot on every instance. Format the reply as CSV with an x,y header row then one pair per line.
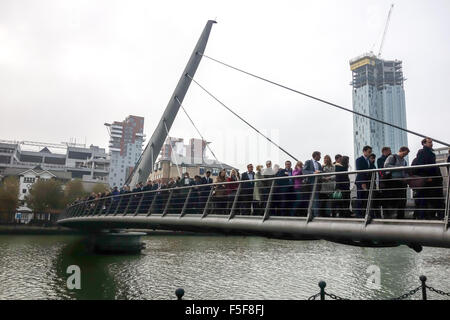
x,y
90,164
125,148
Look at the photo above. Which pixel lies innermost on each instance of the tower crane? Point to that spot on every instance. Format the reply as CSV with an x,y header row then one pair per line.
x,y
385,30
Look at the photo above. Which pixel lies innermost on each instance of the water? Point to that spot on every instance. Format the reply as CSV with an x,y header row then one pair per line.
x,y
213,267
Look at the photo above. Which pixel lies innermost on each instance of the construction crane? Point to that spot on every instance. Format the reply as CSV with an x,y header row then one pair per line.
x,y
385,29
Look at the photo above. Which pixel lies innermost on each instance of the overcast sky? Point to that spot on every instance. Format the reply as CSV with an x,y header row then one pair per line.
x,y
67,67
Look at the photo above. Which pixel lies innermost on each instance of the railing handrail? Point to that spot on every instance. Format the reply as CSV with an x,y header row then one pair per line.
x,y
303,176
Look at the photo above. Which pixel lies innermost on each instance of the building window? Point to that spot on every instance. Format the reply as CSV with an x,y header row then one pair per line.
x,y
28,180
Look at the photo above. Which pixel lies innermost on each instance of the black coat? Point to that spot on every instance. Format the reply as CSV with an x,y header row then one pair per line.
x,y
284,182
364,177
247,187
427,156
207,180
342,180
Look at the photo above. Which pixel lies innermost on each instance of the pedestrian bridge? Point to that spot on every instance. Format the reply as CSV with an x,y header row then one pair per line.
x,y
283,212
413,211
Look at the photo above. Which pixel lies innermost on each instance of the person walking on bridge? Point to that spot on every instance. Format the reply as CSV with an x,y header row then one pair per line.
x,y
258,208
396,184
431,201
268,172
220,193
342,203
327,188
247,188
382,193
363,180
313,167
299,206
232,188
205,190
286,189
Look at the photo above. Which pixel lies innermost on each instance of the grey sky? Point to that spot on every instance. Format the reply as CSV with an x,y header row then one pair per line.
x,y
66,67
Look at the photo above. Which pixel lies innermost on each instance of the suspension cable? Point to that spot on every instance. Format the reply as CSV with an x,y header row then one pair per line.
x,y
171,149
246,122
198,131
324,101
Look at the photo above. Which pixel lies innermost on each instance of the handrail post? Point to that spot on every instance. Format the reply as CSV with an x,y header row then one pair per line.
x,y
368,218
82,209
111,200
447,200
233,207
423,279
167,203
208,201
67,212
92,205
119,202
269,200
310,216
130,200
99,207
322,285
77,209
139,204
183,211
102,203
152,205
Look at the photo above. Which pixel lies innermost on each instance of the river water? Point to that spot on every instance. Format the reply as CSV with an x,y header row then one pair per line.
x,y
214,267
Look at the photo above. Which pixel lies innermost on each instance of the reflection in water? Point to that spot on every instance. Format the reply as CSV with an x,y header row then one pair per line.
x,y
213,267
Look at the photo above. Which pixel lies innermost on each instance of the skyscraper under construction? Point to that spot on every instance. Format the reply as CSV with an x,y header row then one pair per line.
x,y
378,92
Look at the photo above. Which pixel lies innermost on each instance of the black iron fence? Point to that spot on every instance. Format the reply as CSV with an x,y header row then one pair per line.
x,y
322,294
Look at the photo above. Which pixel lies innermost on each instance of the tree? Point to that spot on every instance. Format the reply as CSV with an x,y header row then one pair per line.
x,y
100,188
9,198
45,196
73,189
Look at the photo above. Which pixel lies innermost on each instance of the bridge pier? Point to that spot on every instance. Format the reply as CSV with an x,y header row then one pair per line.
x,y
117,242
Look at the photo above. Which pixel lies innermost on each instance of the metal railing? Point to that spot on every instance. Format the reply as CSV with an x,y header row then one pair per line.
x,y
418,192
322,294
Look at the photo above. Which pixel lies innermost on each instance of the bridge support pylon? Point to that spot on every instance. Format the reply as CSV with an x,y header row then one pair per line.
x,y
117,242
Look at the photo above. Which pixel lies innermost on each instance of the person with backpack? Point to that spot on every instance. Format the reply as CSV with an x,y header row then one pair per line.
x,y
396,184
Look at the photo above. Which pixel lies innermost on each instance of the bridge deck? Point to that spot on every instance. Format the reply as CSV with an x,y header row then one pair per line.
x,y
382,232
283,211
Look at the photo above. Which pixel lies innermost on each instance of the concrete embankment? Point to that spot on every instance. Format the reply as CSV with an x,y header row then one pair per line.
x,y
38,230
21,229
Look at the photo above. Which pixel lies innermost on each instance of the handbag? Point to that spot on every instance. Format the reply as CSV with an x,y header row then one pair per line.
x,y
416,182
337,195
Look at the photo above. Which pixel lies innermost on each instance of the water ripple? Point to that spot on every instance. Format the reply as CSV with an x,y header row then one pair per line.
x,y
213,267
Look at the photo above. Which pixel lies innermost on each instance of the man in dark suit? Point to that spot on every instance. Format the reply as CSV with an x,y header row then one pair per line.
x,y
363,180
204,194
312,167
431,194
207,178
195,195
246,197
285,188
148,197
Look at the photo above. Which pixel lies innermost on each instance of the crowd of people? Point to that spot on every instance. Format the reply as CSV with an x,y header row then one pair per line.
x,y
325,190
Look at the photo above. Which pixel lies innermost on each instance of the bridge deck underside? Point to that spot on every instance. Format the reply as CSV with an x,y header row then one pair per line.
x,y
380,232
